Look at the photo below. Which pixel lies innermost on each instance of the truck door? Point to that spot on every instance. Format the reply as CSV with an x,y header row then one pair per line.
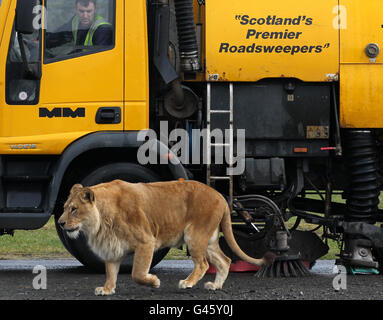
x,y
136,66
361,71
81,86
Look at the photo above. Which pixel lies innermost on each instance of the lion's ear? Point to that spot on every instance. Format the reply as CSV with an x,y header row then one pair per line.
x,y
77,187
87,195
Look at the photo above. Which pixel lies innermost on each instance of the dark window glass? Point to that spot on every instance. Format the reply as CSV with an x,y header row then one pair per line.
x,y
23,68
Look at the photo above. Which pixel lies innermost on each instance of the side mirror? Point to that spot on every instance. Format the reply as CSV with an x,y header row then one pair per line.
x,y
25,16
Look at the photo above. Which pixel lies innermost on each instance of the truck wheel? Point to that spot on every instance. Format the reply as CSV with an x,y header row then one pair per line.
x,y
79,248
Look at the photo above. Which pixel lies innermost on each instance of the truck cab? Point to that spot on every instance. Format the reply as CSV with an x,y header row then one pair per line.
x,y
53,96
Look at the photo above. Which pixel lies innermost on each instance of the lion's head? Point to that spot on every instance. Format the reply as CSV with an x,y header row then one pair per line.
x,y
80,211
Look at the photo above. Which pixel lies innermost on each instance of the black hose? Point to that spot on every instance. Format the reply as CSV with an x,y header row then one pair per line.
x,y
187,36
363,195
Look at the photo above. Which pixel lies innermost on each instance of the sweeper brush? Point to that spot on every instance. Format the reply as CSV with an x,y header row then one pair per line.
x,y
264,230
292,267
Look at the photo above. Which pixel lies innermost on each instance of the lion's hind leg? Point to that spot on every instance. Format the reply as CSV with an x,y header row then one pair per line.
x,y
197,249
221,263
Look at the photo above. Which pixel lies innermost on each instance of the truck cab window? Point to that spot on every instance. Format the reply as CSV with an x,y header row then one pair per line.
x,y
78,27
31,45
22,68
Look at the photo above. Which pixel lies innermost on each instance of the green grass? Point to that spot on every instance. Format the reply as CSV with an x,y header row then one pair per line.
x,y
42,243
333,245
45,243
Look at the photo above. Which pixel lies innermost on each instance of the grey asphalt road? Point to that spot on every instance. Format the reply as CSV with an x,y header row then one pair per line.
x,y
69,280
321,266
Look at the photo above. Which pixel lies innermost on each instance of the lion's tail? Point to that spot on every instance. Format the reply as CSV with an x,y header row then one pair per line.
x,y
227,230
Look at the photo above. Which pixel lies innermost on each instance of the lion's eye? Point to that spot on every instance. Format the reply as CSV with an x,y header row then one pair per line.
x,y
73,210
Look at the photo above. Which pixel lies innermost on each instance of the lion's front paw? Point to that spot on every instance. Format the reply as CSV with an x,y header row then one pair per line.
x,y
156,282
184,284
102,291
211,286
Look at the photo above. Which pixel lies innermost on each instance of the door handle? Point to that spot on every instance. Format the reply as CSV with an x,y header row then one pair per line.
x,y
108,115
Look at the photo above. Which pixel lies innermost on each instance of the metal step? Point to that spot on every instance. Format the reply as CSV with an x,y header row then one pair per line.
x,y
220,111
220,177
220,144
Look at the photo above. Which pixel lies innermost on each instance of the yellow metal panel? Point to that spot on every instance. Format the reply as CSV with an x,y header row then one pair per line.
x,y
5,31
136,66
92,78
39,144
363,21
23,121
3,15
361,104
251,40
361,99
136,115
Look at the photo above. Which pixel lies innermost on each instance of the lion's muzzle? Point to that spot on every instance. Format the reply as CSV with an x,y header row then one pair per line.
x,y
71,232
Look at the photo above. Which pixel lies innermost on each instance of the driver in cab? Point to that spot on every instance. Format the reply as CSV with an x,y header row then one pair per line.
x,y
85,29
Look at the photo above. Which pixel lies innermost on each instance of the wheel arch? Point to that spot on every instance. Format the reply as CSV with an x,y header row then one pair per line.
x,y
102,148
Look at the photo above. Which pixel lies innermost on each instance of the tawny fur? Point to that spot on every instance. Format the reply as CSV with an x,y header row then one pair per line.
x,y
120,217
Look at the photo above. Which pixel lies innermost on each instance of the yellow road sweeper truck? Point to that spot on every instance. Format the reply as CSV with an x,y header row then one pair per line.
x,y
278,105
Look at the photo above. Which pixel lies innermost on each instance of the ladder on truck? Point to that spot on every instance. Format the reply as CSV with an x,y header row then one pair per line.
x,y
211,112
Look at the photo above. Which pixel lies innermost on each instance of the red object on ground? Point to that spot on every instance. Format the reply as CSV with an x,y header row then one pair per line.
x,y
243,266
327,148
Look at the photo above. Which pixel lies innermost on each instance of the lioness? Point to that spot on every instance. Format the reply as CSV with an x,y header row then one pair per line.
x,y
120,217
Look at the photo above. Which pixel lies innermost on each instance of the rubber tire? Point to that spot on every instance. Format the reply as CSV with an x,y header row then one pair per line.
x,y
79,248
